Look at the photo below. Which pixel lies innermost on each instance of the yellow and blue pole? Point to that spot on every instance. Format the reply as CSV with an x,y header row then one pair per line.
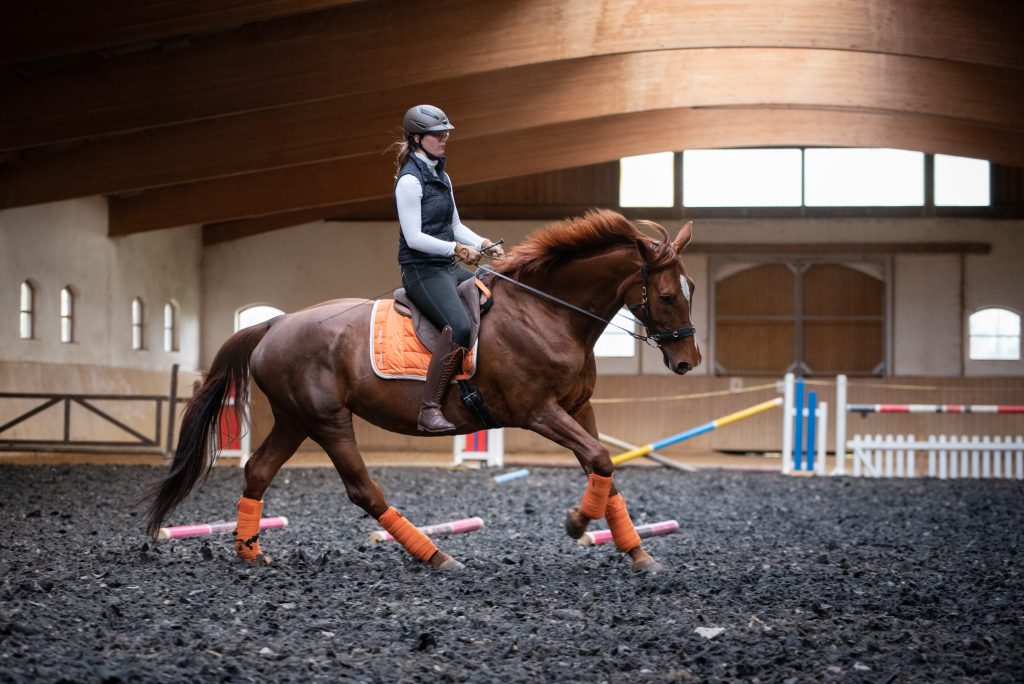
x,y
699,430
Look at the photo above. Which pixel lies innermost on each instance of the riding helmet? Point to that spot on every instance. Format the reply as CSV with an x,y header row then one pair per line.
x,y
425,118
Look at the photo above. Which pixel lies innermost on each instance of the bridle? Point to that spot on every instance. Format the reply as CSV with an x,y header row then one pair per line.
x,y
653,339
645,318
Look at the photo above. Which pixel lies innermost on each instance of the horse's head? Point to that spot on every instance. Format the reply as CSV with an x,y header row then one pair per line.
x,y
665,298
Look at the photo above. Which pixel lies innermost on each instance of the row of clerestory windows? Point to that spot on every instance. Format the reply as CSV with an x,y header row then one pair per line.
x,y
68,297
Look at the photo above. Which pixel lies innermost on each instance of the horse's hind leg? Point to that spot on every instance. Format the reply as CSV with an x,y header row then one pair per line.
x,y
338,440
260,469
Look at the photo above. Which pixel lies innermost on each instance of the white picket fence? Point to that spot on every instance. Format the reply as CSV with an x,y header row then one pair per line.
x,y
948,457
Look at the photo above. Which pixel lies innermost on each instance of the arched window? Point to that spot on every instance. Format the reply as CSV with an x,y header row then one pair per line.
x,y
994,335
137,323
616,342
257,313
67,315
27,311
171,326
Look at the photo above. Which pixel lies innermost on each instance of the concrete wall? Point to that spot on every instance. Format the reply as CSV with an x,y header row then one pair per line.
x,y
66,243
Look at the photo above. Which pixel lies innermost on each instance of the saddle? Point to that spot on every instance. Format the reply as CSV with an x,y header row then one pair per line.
x,y
402,338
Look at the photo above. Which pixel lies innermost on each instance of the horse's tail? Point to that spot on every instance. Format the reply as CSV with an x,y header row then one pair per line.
x,y
193,459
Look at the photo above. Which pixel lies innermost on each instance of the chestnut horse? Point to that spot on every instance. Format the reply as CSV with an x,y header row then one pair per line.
x,y
536,370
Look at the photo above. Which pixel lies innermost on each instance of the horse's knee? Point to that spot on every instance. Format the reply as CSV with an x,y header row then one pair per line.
x,y
369,497
601,462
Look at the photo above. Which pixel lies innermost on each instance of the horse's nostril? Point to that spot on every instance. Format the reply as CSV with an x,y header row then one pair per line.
x,y
683,367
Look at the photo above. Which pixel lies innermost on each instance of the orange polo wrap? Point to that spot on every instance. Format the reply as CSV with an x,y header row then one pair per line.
x,y
407,534
623,532
595,498
247,532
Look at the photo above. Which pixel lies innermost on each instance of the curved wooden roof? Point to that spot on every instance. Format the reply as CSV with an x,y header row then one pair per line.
x,y
232,111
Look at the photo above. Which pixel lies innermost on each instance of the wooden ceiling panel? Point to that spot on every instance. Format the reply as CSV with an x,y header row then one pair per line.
x,y
49,28
553,147
364,46
508,100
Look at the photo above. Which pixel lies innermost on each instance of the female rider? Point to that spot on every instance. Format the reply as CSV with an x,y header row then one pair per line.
x,y
431,239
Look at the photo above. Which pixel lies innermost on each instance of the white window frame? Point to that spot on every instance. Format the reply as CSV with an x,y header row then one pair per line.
x,y
67,315
752,171
243,319
960,181
648,180
619,364
171,326
26,311
875,165
138,324
1012,339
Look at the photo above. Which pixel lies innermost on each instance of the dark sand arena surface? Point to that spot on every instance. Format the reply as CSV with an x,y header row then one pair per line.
x,y
812,580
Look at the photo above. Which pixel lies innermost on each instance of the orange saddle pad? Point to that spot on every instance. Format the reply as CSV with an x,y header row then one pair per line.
x,y
395,351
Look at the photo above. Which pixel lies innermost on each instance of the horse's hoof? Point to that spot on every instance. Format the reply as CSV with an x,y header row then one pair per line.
x,y
644,562
260,560
649,565
445,563
576,523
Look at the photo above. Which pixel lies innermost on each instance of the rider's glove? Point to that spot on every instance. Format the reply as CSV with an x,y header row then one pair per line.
x,y
467,255
492,250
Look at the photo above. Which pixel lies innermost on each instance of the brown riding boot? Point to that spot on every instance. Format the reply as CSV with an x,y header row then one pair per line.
x,y
447,358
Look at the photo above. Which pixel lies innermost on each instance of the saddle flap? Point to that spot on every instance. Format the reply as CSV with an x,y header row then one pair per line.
x,y
395,351
471,291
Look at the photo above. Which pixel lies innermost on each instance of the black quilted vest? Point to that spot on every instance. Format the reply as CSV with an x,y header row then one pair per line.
x,y
437,207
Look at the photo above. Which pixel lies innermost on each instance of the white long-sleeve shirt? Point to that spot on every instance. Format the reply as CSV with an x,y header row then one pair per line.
x,y
408,196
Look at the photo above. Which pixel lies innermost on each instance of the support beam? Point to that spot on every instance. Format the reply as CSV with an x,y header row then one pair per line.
x,y
509,99
548,148
360,48
49,28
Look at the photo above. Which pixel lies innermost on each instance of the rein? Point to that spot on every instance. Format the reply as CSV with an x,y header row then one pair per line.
x,y
653,339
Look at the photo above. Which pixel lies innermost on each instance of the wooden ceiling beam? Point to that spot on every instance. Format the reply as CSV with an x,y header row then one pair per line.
x,y
40,29
511,99
362,47
548,148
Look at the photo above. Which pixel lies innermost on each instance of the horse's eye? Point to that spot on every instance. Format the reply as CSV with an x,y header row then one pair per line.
x,y
667,298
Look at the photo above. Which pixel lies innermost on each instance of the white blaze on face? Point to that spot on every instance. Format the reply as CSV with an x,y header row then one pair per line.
x,y
686,287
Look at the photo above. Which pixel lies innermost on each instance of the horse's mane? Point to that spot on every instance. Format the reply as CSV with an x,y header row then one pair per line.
x,y
573,237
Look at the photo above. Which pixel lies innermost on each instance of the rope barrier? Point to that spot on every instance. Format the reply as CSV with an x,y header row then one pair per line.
x,y
681,397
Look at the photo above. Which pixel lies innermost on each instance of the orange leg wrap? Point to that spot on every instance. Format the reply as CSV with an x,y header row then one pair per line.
x,y
407,534
247,532
623,532
595,498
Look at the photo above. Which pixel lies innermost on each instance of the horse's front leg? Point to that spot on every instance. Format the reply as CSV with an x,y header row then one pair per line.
x,y
619,522
600,499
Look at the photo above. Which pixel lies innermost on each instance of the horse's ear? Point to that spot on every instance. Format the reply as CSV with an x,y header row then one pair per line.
x,y
683,239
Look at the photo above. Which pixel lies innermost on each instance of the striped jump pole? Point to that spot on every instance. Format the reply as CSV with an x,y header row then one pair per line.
x,y
699,430
216,528
843,408
934,408
658,529
439,530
